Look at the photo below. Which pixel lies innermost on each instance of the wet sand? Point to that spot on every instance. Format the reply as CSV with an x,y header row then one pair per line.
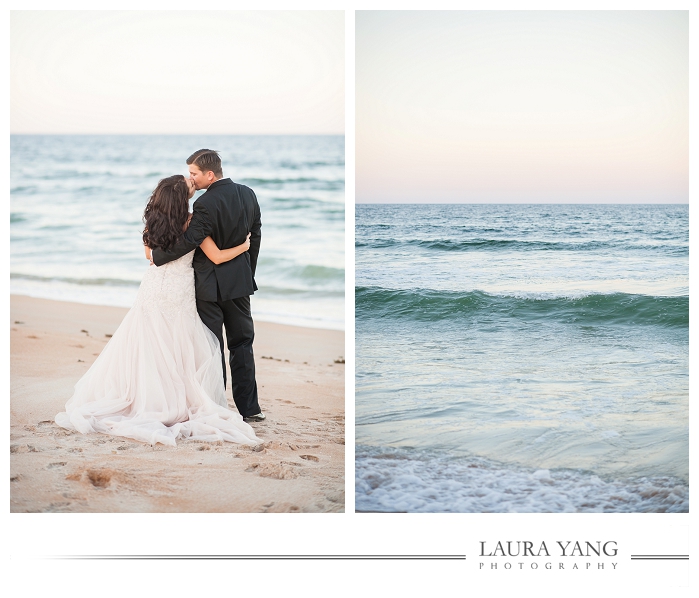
x,y
298,468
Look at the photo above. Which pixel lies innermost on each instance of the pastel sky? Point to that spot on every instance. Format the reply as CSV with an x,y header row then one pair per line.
x,y
268,72
507,106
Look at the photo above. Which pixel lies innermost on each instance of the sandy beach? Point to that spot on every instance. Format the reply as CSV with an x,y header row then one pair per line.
x,y
298,468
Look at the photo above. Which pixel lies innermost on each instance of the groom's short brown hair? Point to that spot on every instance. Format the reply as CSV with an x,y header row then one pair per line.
x,y
205,160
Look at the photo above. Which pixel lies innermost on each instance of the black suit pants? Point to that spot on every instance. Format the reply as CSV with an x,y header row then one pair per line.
x,y
234,315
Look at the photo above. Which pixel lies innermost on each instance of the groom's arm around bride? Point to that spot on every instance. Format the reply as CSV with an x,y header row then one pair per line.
x,y
227,212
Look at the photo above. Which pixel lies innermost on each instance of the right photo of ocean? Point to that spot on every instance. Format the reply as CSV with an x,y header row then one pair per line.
x,y
522,262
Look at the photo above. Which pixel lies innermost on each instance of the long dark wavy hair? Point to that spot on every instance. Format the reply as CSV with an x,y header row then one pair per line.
x,y
166,213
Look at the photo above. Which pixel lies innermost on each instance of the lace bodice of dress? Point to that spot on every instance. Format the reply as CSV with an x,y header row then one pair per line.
x,y
170,287
183,263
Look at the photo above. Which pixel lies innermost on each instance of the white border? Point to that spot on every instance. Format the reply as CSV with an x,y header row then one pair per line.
x,y
29,536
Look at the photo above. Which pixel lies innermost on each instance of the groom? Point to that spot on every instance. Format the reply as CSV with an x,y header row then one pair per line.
x,y
227,212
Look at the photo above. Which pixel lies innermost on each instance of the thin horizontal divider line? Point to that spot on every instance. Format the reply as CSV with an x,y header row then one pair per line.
x,y
270,557
660,558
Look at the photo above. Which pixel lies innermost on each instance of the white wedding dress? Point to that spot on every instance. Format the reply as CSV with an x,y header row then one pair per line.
x,y
159,377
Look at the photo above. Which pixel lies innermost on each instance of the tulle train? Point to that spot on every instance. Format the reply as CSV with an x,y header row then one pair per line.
x,y
157,380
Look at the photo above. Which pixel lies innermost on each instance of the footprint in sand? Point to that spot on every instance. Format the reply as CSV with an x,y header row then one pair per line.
x,y
273,444
55,465
337,497
55,507
99,478
310,458
284,507
273,470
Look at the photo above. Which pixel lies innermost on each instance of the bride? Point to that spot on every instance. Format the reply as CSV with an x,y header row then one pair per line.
x,y
159,377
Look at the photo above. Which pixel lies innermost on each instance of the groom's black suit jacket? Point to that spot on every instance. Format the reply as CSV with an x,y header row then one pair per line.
x,y
227,212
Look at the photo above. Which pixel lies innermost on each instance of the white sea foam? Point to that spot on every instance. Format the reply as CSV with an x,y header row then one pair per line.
x,y
396,480
327,314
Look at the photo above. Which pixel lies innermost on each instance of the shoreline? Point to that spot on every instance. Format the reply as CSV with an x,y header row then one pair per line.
x,y
298,468
260,317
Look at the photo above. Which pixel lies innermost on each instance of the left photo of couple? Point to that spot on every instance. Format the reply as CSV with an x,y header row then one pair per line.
x,y
177,225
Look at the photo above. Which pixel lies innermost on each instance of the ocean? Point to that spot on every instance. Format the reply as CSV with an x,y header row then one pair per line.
x,y
76,203
522,358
